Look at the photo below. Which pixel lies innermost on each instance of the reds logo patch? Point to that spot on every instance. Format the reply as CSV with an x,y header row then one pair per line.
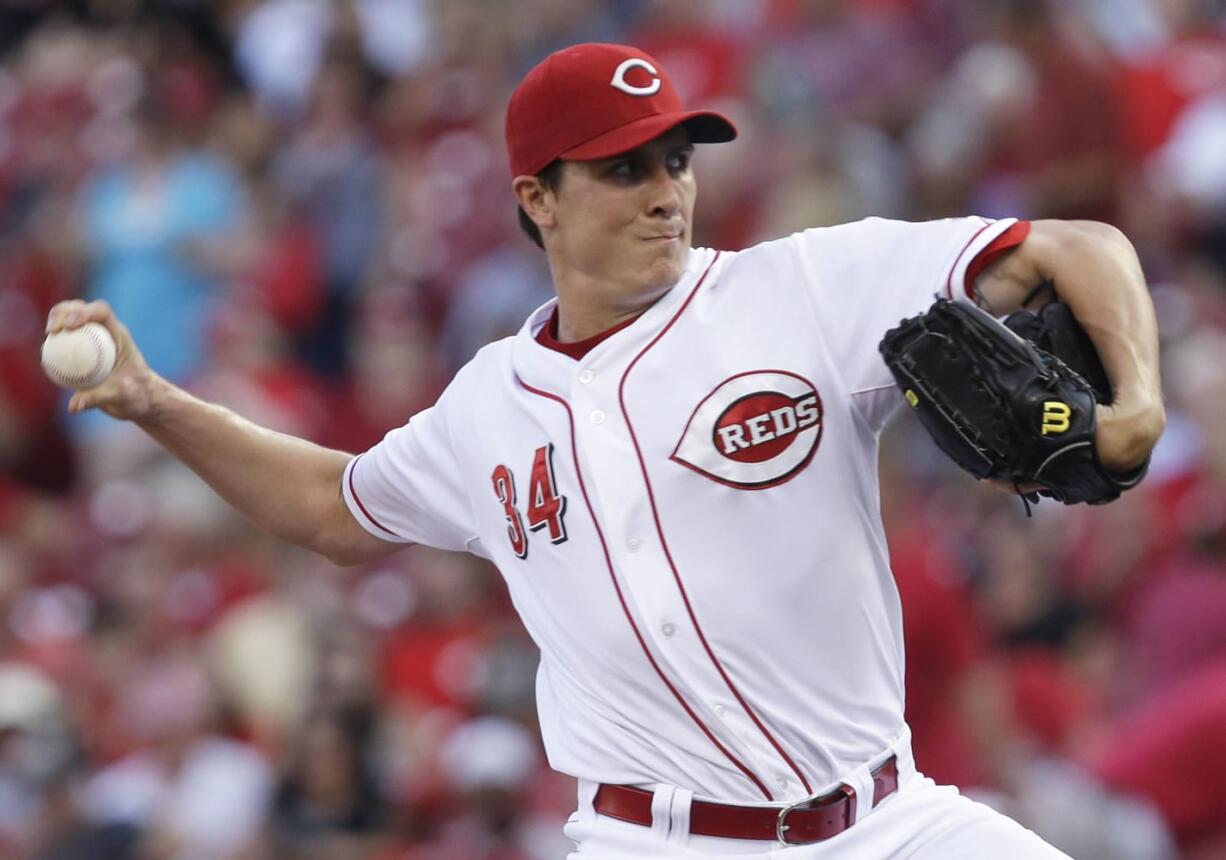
x,y
756,430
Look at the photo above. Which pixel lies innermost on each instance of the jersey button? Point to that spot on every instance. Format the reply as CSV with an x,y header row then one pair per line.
x,y
597,416
668,629
634,544
782,782
586,377
720,710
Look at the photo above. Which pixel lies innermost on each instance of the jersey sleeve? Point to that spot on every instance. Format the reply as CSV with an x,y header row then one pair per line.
x,y
867,276
407,488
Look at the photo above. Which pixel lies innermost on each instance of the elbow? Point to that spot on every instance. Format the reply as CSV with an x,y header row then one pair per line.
x,y
340,556
352,556
330,529
341,553
1073,237
345,543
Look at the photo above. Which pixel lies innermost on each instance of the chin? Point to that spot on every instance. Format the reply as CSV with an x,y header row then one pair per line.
x,y
664,271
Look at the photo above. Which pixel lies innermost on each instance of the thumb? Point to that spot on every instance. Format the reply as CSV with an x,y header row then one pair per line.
x,y
125,396
79,402
91,398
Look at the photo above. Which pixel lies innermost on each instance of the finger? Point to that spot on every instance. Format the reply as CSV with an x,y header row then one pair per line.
x,y
64,315
96,311
101,312
79,402
76,313
99,397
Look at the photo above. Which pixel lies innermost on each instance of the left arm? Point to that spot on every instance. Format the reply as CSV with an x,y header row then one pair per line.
x,y
1095,271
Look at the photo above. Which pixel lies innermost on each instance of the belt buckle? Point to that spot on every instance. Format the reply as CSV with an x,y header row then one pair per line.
x,y
844,791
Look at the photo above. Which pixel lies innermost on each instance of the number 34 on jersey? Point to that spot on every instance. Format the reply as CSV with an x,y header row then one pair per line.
x,y
546,507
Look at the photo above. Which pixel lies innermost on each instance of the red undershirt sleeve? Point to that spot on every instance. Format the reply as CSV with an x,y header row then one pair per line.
x,y
1011,238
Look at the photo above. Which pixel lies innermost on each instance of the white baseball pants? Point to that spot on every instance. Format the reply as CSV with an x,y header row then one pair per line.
x,y
920,821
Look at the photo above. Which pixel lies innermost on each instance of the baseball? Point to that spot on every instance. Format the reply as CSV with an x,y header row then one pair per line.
x,y
80,357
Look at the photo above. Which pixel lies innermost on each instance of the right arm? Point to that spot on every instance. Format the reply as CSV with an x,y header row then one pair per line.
x,y
287,486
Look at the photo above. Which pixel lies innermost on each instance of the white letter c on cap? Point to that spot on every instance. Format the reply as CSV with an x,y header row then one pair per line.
x,y
619,78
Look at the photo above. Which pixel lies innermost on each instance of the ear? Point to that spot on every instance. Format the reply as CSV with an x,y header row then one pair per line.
x,y
536,200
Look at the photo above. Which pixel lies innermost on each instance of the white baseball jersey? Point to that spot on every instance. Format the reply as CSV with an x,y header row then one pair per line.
x,y
687,518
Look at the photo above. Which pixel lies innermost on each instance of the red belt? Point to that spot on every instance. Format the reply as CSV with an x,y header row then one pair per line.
x,y
810,820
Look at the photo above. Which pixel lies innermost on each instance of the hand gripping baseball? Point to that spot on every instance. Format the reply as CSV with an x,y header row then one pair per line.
x,y
128,392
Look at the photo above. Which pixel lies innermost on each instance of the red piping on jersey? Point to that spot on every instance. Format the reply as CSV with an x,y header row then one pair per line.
x,y
949,283
1006,241
621,397
354,492
570,418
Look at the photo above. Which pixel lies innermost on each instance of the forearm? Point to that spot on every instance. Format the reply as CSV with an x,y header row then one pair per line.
x,y
1095,271
286,486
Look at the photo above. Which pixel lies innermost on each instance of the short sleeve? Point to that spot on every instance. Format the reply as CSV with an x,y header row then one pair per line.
x,y
407,488
869,275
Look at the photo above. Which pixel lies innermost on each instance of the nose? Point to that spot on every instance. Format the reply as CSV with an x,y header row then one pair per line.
x,y
664,194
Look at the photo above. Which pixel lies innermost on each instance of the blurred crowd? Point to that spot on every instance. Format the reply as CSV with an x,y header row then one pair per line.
x,y
301,208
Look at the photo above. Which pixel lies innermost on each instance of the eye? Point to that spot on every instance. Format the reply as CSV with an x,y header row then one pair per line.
x,y
624,170
679,161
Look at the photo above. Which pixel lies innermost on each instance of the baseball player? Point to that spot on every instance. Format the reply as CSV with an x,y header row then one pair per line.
x,y
674,466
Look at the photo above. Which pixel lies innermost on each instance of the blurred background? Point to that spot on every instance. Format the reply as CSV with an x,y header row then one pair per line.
x,y
302,210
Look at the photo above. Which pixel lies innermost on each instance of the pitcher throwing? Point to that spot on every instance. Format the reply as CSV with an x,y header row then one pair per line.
x,y
674,466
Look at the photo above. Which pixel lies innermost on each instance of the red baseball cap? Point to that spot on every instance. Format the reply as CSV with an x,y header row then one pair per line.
x,y
594,101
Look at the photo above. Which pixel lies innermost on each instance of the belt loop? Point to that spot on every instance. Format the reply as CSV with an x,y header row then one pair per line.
x,y
587,797
662,810
904,756
861,779
682,798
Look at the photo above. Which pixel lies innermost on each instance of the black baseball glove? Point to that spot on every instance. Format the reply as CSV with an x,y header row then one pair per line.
x,y
1003,407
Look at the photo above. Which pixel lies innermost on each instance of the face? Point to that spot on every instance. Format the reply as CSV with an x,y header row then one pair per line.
x,y
625,221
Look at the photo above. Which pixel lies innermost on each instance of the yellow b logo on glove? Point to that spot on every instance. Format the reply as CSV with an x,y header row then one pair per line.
x,y
1055,416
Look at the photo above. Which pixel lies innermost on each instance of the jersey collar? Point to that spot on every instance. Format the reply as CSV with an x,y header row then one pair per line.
x,y
544,367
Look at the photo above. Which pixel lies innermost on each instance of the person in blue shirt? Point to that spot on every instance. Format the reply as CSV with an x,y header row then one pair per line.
x,y
147,224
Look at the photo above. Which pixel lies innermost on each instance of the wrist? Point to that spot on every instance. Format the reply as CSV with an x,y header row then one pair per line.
x,y
1125,461
157,398
1146,417
1127,433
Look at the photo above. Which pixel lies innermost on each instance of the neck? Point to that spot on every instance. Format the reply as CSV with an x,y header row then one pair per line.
x,y
587,305
580,323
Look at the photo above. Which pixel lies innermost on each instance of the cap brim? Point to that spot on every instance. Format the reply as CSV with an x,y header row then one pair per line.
x,y
703,127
